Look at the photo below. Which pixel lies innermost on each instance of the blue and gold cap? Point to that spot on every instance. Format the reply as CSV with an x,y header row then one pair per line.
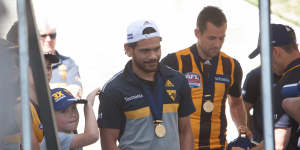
x,y
62,98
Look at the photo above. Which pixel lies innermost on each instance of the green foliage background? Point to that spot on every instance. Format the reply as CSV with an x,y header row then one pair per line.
x,y
286,9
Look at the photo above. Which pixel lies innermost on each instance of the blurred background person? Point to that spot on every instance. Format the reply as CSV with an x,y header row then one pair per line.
x,y
14,138
285,62
65,73
253,101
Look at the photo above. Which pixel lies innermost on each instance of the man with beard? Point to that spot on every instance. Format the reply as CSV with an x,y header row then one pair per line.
x,y
147,105
212,75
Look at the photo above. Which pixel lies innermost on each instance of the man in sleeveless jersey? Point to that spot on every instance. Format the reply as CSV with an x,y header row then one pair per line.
x,y
213,76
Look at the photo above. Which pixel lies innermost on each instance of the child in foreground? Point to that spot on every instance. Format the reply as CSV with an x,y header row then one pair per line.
x,y
67,117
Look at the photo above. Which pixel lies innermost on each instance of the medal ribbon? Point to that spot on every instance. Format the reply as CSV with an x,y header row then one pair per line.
x,y
155,100
209,89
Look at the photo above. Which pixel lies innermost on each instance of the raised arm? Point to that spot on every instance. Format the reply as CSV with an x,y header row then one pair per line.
x,y
91,132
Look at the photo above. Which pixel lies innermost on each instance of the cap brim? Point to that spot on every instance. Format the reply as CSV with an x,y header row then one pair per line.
x,y
254,53
52,58
81,101
65,104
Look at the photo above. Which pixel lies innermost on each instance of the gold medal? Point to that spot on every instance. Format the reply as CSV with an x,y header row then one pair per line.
x,y
159,129
208,106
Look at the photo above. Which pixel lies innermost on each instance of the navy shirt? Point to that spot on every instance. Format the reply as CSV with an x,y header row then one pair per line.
x,y
252,94
282,120
65,72
123,83
123,106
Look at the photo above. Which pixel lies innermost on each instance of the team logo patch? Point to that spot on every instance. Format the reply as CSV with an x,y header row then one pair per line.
x,y
129,36
100,116
169,84
63,71
41,126
57,96
222,79
193,79
130,98
172,94
63,74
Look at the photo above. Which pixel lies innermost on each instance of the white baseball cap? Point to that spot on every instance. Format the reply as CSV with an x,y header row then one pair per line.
x,y
135,31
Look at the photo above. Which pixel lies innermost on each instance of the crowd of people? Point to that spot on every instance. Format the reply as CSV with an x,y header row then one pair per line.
x,y
174,103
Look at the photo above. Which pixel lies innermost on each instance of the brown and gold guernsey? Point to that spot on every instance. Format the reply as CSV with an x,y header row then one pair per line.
x,y
36,126
209,94
36,123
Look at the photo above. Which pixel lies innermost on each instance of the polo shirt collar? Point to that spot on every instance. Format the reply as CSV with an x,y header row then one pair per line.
x,y
292,64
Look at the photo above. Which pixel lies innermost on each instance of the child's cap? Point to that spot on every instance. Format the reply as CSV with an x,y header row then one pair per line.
x,y
62,98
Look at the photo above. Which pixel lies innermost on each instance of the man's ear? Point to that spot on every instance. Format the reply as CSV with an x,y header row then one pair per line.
x,y
277,51
197,33
128,50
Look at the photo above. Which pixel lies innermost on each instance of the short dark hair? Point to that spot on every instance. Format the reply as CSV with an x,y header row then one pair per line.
x,y
147,30
210,14
293,45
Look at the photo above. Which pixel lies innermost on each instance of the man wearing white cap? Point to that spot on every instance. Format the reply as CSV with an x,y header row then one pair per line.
x,y
147,105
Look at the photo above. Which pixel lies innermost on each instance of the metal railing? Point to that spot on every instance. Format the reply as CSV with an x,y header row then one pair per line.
x,y
30,53
266,71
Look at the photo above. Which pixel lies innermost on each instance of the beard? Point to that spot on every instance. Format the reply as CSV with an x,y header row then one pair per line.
x,y
210,53
148,66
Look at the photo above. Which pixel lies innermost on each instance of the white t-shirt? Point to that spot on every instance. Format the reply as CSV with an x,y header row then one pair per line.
x,y
65,141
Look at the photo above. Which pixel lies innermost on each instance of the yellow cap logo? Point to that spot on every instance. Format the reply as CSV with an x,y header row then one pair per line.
x,y
57,95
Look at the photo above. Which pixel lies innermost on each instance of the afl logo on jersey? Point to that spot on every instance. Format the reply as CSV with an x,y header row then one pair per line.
x,y
193,79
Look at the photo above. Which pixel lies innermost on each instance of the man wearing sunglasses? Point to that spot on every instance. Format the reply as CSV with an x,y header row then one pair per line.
x,y
65,72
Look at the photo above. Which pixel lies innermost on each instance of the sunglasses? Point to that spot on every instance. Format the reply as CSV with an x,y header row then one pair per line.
x,y
52,35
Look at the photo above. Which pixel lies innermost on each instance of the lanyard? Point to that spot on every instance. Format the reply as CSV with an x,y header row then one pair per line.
x,y
155,100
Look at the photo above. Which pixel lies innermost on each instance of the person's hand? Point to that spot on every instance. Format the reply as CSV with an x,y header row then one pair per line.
x,y
91,97
244,129
75,89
